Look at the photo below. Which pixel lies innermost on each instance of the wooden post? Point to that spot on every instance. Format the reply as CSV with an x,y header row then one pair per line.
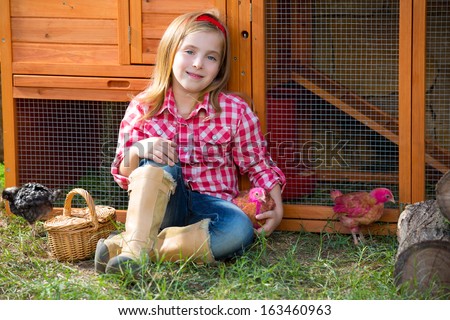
x,y
404,101
8,104
418,100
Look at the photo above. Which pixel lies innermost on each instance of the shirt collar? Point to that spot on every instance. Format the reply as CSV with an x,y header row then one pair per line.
x,y
169,105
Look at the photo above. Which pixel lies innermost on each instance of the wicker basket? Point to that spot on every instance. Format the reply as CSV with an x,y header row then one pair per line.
x,y
74,235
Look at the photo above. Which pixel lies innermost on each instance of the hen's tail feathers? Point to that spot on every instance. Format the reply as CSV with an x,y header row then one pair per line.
x,y
335,193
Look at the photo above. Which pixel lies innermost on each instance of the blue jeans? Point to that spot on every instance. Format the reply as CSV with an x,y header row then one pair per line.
x,y
231,231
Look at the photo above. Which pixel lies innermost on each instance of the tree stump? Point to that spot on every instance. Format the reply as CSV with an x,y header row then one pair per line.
x,y
423,256
443,194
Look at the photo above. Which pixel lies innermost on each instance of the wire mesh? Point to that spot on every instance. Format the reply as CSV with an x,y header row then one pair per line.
x,y
437,95
332,95
66,144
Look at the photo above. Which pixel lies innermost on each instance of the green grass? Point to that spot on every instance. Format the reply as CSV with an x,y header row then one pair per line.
x,y
284,266
2,175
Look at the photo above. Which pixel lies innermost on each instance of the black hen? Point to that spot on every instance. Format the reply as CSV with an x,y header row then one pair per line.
x,y
32,201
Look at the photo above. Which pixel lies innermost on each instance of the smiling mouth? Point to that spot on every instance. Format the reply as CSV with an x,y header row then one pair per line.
x,y
194,75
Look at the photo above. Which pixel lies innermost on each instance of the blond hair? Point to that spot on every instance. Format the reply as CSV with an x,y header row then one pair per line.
x,y
170,42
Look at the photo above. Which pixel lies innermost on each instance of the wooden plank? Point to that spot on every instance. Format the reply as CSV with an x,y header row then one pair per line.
x,y
233,28
136,31
149,49
154,25
259,61
356,176
126,84
418,100
65,53
115,70
315,212
245,47
98,9
8,106
240,75
404,101
123,32
72,31
178,7
238,21
71,94
335,227
221,5
316,226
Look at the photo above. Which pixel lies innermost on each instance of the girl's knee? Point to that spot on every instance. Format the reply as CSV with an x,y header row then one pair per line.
x,y
246,231
175,171
233,239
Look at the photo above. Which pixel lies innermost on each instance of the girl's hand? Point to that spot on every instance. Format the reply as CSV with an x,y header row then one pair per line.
x,y
273,220
273,216
160,150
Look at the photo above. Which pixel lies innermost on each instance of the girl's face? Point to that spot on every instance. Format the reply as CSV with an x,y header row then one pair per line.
x,y
196,63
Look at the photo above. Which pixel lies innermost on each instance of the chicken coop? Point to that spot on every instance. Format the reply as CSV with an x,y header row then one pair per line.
x,y
351,94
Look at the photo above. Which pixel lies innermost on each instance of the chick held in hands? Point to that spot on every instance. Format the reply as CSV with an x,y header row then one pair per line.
x,y
360,208
254,202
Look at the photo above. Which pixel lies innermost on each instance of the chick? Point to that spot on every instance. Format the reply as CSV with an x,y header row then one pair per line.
x,y
254,202
32,201
360,208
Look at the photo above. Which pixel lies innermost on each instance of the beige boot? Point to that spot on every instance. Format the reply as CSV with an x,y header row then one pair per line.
x,y
184,243
107,249
150,189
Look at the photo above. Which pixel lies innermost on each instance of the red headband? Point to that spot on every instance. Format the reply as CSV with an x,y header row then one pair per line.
x,y
208,18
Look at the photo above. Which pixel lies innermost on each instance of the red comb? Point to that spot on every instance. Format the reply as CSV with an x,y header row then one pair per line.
x,y
210,19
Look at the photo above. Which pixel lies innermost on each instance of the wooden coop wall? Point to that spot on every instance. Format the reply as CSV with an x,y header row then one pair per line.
x,y
345,91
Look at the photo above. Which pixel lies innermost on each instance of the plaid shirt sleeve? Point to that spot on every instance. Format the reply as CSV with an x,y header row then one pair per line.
x,y
130,132
251,155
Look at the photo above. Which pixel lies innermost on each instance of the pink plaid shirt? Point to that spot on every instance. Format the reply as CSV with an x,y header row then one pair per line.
x,y
212,147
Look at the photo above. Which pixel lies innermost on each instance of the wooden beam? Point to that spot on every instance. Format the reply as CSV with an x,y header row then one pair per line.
x,y
85,9
136,31
259,61
115,70
317,212
8,106
404,101
100,83
71,94
309,223
418,150
386,229
123,32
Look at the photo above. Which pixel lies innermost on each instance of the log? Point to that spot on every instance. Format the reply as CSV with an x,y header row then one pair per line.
x,y
423,255
443,194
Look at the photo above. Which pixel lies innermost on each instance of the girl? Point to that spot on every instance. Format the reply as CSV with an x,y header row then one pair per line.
x,y
182,143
